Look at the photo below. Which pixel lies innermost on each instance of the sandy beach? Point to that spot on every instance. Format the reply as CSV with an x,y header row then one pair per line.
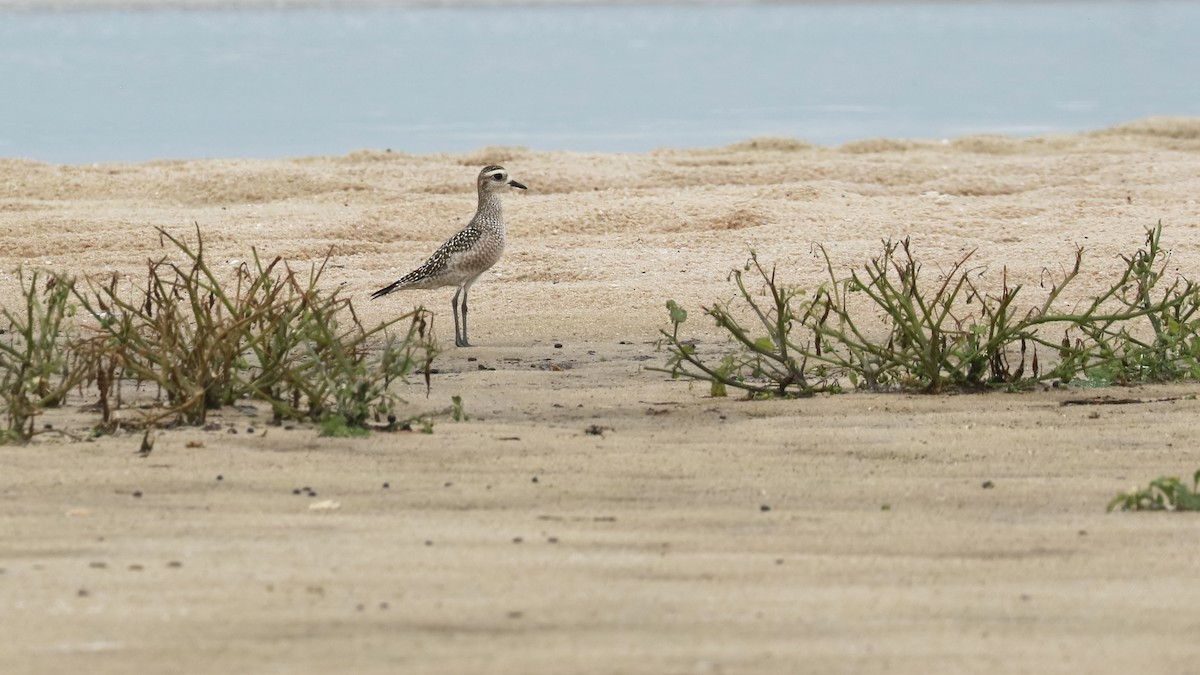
x,y
692,534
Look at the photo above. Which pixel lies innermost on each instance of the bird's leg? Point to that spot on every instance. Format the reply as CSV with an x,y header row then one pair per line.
x,y
465,290
459,341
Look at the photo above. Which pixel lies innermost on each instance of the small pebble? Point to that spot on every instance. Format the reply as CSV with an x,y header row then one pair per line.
x,y
249,430
98,565
558,345
988,485
83,593
137,494
517,540
232,431
429,542
220,477
535,479
136,568
387,485
764,508
175,564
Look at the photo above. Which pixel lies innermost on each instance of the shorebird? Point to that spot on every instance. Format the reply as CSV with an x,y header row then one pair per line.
x,y
468,254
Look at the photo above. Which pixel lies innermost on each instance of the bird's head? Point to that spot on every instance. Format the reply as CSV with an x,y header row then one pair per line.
x,y
495,178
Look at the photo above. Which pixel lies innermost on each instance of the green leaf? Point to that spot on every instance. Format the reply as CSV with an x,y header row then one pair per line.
x,y
765,344
678,314
1185,500
1121,500
337,427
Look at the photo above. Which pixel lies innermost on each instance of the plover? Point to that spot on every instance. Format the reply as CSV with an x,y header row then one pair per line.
x,y
468,254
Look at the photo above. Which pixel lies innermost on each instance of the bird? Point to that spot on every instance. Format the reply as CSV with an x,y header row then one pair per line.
x,y
466,255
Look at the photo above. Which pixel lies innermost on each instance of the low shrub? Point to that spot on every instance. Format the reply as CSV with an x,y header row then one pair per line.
x,y
945,333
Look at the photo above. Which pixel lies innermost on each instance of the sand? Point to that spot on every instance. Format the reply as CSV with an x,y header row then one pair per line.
x,y
692,534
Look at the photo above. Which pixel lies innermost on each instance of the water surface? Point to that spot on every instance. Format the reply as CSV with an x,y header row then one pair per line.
x,y
137,85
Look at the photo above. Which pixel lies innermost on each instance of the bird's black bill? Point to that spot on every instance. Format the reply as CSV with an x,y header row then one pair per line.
x,y
517,185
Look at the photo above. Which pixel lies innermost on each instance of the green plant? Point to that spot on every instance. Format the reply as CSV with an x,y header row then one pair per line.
x,y
1166,493
202,339
182,333
333,372
457,413
948,333
1170,348
36,369
337,427
205,340
764,365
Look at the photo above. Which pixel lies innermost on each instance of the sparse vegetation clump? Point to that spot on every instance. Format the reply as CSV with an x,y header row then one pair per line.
x,y
944,333
1167,493
200,339
36,370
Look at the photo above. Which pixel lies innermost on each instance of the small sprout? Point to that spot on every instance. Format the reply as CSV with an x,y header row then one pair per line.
x,y
678,314
147,443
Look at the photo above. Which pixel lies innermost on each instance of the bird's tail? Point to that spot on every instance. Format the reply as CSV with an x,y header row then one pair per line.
x,y
387,289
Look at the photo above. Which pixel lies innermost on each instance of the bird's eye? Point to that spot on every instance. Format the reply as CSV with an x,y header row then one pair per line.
x,y
497,177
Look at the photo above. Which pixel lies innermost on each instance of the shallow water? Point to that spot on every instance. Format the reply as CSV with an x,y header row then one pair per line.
x,y
137,85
